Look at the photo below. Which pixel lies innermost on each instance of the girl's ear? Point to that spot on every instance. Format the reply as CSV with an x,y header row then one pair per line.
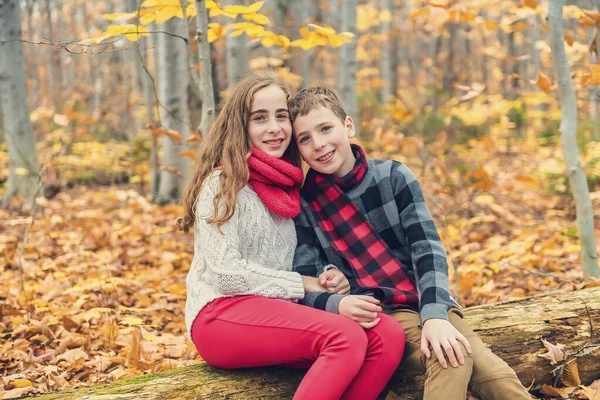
x,y
349,124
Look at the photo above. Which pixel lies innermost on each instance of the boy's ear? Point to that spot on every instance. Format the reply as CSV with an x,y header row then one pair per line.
x,y
349,124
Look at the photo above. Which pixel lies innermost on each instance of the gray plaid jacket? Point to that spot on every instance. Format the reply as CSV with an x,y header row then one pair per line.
x,y
393,202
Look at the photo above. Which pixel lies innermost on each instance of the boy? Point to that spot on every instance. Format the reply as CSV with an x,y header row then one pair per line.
x,y
368,218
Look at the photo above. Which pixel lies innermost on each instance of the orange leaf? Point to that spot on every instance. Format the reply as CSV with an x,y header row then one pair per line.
x,y
173,134
557,392
172,170
193,139
190,153
543,82
569,39
530,3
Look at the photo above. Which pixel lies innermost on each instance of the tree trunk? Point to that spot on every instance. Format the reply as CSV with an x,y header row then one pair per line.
x,y
386,53
348,63
174,113
23,172
568,141
55,78
237,56
206,81
512,330
595,90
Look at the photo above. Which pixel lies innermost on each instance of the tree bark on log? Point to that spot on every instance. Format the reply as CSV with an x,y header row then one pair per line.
x,y
512,330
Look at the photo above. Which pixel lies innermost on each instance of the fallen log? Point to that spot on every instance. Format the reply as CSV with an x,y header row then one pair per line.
x,y
512,329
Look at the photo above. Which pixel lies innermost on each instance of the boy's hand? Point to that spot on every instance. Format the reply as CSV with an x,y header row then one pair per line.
x,y
334,281
362,309
440,334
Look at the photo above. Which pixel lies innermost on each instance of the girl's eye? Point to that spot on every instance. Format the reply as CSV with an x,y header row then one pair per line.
x,y
282,116
303,139
259,118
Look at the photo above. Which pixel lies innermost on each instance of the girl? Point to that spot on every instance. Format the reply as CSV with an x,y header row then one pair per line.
x,y
241,201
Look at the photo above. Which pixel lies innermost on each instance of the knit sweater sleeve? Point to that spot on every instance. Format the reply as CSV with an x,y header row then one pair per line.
x,y
426,250
230,273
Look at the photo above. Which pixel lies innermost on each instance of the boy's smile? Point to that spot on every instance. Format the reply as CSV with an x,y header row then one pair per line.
x,y
323,141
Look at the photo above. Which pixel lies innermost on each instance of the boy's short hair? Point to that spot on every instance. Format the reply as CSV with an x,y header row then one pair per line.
x,y
309,99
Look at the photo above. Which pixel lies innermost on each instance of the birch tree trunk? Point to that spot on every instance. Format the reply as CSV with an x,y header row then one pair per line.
x,y
348,63
55,78
23,172
386,52
206,82
237,56
568,140
595,90
174,113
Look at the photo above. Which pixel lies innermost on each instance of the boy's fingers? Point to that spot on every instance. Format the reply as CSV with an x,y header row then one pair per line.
x,y
458,351
437,349
449,351
425,347
461,338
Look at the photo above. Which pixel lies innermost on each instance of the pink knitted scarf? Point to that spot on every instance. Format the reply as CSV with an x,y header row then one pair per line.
x,y
276,181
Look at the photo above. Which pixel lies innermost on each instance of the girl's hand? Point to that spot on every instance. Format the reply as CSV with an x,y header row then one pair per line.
x,y
362,309
311,284
334,281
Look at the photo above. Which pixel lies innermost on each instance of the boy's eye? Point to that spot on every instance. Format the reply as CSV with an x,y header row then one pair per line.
x,y
325,128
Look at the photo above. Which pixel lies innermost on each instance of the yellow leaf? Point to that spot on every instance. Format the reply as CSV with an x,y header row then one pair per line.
x,y
235,9
543,82
303,44
219,11
119,16
237,33
256,6
491,25
211,4
21,171
132,321
190,10
257,18
20,383
211,36
167,13
337,41
147,18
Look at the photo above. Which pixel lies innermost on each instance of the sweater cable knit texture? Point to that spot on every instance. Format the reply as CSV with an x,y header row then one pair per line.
x,y
253,255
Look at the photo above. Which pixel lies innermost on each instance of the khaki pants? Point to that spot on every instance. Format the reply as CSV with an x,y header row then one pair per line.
x,y
489,376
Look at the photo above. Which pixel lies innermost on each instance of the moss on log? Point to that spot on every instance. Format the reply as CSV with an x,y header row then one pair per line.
x,y
512,329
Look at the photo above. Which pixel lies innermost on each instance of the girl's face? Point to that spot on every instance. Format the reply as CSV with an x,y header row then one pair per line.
x,y
269,124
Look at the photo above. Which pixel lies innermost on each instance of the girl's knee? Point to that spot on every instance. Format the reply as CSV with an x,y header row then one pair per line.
x,y
392,336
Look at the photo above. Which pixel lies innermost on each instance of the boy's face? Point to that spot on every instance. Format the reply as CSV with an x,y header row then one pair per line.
x,y
323,141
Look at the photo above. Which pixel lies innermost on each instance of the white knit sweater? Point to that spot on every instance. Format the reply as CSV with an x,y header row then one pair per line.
x,y
253,255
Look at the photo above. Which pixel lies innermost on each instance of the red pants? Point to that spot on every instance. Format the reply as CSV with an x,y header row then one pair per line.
x,y
345,361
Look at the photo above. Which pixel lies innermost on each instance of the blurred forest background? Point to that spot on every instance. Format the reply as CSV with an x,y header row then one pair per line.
x,y
97,142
